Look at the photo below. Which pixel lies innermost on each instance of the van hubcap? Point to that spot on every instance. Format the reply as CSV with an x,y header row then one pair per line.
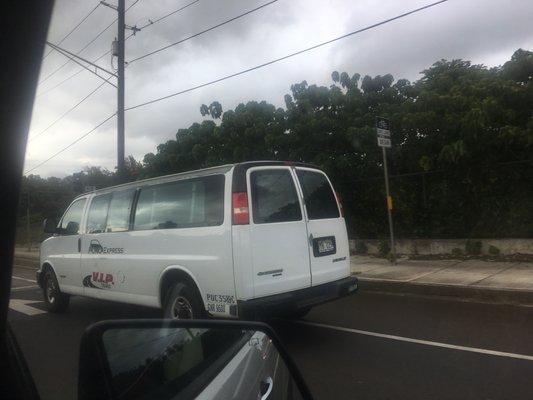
x,y
50,290
181,309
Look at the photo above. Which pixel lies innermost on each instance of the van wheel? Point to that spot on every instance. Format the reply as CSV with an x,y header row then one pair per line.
x,y
55,301
183,303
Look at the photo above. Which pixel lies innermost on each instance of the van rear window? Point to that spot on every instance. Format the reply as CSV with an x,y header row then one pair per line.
x,y
274,197
181,204
320,200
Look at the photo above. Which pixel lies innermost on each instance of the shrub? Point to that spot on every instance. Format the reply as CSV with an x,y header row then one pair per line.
x,y
494,251
383,247
473,247
457,252
360,247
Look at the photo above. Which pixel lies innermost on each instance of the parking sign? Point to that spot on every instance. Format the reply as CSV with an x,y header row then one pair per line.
x,y
383,132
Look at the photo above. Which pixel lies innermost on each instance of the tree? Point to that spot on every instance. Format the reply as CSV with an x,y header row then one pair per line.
x,y
460,163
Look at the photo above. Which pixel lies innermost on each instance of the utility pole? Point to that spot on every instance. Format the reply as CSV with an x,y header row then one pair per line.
x,y
384,141
118,51
120,89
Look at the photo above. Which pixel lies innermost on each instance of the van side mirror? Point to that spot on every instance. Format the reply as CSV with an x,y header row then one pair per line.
x,y
167,359
50,225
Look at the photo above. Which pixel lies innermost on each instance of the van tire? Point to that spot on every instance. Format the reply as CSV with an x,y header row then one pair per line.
x,y
183,300
55,301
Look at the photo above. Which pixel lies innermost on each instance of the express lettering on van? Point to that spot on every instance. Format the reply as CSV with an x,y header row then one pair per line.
x,y
96,248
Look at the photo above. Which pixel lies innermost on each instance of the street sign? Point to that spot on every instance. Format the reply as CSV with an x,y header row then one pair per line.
x,y
383,127
383,131
383,142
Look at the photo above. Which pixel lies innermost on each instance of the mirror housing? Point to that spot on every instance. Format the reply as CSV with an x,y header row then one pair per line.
x,y
174,358
50,225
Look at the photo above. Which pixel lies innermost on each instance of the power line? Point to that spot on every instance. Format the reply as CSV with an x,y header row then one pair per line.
x,y
150,22
75,57
285,57
202,32
73,29
84,66
69,110
84,47
71,76
71,144
77,72
78,52
243,72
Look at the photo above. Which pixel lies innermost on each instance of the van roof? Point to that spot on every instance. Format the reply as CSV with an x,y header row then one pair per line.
x,y
197,173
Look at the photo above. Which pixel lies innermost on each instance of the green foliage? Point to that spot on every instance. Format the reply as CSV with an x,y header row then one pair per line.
x,y
214,110
460,165
457,252
494,251
384,248
473,247
360,247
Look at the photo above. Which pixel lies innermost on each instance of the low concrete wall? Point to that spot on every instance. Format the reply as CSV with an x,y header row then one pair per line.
x,y
446,246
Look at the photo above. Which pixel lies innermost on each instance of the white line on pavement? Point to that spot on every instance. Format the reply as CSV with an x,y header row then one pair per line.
x,y
22,307
26,267
24,279
24,287
419,341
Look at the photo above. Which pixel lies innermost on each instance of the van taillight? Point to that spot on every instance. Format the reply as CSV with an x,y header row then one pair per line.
x,y
241,213
339,200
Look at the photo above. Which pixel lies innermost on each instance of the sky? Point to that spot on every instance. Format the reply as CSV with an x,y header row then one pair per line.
x,y
482,31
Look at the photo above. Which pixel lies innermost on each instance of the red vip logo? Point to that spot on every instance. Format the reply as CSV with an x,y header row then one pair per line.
x,y
104,279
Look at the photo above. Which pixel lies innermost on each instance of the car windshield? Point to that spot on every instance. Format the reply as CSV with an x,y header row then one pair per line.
x,y
356,174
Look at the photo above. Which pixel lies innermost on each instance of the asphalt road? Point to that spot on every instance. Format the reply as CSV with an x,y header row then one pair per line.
x,y
369,346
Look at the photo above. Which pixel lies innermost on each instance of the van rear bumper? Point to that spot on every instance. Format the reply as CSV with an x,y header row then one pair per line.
x,y
291,302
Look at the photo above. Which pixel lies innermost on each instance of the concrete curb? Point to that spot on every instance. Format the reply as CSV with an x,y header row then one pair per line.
x,y
480,294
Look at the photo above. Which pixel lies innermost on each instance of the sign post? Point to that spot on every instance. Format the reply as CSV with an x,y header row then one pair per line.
x,y
384,141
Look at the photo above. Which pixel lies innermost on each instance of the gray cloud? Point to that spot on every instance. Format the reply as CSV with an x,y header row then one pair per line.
x,y
479,30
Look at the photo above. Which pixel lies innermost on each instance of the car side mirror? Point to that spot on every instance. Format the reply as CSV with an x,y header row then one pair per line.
x,y
167,359
72,228
50,225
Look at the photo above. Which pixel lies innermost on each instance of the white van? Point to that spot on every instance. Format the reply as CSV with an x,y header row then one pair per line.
x,y
236,241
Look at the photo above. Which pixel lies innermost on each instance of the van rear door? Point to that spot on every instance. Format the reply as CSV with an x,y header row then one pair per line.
x,y
327,235
278,231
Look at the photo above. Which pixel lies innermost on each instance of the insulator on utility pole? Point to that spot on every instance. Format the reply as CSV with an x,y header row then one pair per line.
x,y
114,48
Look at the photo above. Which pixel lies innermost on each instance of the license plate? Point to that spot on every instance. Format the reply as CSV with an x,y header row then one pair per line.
x,y
325,246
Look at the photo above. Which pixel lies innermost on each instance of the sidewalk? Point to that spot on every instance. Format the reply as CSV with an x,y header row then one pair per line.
x,y
502,282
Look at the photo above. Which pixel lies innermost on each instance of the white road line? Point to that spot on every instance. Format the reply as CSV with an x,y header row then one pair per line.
x,y
26,267
22,306
24,279
24,287
422,342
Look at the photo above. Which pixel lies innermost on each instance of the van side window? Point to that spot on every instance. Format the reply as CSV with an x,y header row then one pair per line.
x,y
118,217
274,197
319,198
70,223
96,220
181,204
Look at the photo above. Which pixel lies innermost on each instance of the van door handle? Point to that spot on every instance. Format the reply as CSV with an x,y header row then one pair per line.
x,y
265,388
311,239
79,245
